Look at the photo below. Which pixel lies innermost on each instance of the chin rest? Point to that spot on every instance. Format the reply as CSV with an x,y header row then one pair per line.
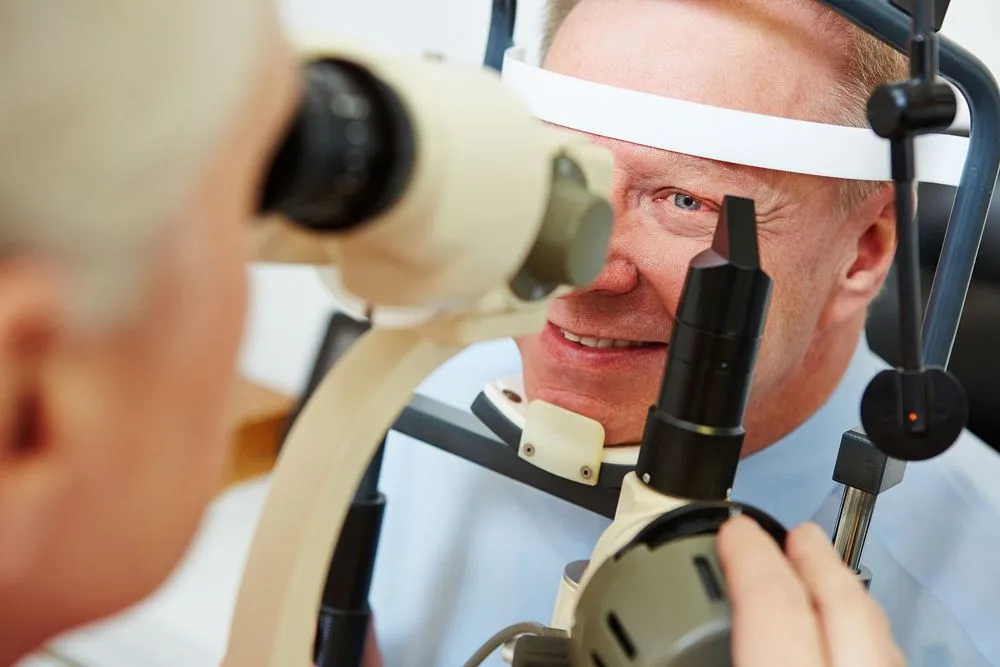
x,y
975,360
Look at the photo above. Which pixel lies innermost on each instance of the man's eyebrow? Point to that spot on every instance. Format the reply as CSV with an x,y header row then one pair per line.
x,y
766,185
661,161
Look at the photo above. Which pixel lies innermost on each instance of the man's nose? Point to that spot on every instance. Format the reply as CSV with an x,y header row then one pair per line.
x,y
618,276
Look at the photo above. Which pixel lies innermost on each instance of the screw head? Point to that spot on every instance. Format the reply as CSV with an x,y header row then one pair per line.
x,y
586,472
512,396
529,449
646,478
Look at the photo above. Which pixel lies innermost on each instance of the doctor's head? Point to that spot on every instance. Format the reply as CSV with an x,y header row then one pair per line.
x,y
827,244
134,137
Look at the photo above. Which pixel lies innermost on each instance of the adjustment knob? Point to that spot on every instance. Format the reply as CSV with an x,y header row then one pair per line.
x,y
902,109
883,418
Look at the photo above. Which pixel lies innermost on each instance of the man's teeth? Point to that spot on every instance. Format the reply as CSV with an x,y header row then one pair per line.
x,y
600,342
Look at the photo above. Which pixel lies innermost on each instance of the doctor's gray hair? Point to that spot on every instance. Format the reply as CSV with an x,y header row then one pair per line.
x,y
111,111
867,63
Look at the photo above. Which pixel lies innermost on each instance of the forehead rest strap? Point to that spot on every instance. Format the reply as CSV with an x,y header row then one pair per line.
x,y
726,135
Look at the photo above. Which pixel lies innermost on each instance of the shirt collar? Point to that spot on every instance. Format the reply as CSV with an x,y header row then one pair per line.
x,y
791,478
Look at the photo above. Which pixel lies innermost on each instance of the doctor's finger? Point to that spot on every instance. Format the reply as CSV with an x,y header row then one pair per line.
x,y
857,631
773,620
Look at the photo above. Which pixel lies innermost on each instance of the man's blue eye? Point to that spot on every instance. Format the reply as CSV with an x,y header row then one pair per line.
x,y
686,202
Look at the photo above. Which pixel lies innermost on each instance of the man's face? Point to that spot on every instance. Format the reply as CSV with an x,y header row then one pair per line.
x,y
666,204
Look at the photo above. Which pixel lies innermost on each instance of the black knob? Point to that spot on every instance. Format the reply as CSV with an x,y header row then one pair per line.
x,y
899,110
887,421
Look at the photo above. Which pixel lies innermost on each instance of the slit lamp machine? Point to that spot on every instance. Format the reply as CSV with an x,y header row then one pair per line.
x,y
373,185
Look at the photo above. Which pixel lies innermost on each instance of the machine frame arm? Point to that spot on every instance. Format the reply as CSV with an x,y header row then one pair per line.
x,y
865,471
292,548
503,18
979,177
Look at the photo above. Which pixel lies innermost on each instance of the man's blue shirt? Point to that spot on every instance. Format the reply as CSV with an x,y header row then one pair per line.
x,y
465,552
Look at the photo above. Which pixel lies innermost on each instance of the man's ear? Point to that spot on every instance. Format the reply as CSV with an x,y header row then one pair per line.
x,y
871,239
31,302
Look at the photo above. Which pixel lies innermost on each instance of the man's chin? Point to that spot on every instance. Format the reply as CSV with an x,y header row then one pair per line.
x,y
621,425
616,400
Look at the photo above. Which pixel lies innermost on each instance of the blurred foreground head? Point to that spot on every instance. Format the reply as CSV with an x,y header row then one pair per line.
x,y
134,136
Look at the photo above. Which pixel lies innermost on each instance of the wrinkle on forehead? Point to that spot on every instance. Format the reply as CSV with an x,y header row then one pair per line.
x,y
776,57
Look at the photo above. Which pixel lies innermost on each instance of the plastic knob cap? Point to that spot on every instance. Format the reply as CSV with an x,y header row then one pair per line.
x,y
883,419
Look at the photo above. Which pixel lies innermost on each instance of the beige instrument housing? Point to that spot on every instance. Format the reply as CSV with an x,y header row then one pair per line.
x,y
485,204
479,192
638,506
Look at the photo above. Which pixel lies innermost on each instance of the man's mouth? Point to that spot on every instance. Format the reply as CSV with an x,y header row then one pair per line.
x,y
603,343
577,350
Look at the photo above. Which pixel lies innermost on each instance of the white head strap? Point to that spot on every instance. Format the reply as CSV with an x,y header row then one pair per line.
x,y
726,135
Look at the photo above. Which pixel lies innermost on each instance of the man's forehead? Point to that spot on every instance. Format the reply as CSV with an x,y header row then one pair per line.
x,y
648,163
737,55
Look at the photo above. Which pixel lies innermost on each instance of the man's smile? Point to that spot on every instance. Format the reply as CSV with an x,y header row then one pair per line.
x,y
601,343
580,349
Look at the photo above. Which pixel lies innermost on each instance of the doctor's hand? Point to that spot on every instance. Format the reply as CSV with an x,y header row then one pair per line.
x,y
803,607
372,655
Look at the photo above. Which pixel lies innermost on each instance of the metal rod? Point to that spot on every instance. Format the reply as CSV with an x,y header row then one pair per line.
x,y
908,276
856,512
923,19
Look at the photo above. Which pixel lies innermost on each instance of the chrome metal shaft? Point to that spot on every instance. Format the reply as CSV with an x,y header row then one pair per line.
x,y
856,511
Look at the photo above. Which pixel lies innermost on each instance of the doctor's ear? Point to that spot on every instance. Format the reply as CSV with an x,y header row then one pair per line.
x,y
31,300
869,237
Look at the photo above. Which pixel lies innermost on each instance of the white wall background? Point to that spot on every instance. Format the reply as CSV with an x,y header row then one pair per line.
x,y
289,306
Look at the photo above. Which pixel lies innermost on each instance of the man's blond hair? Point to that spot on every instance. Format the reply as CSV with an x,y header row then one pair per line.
x,y
867,63
110,112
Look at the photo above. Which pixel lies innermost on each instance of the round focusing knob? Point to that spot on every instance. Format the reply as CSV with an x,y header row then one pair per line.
x,y
662,600
883,418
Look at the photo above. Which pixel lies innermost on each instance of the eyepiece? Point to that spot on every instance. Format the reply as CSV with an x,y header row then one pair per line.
x,y
348,154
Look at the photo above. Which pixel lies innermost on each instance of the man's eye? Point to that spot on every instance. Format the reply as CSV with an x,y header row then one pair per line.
x,y
685,202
